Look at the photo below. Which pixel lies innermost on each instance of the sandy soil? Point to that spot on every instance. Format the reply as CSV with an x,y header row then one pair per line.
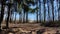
x,y
18,28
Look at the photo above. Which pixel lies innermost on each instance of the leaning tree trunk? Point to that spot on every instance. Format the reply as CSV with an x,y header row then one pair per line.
x,y
2,14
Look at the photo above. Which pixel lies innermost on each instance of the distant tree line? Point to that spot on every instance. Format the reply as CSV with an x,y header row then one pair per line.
x,y
22,7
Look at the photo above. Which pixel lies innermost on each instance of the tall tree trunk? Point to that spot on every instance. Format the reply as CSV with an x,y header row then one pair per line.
x,y
37,15
53,11
15,18
48,14
44,11
40,10
52,3
48,10
24,11
59,11
57,5
37,11
2,14
10,19
7,22
15,7
19,18
26,17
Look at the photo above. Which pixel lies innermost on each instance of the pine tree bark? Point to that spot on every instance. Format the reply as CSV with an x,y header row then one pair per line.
x,y
7,21
40,10
2,13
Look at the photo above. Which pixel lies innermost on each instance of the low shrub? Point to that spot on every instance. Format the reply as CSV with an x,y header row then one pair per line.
x,y
51,24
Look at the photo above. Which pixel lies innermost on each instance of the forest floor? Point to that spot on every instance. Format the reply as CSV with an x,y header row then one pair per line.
x,y
29,27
